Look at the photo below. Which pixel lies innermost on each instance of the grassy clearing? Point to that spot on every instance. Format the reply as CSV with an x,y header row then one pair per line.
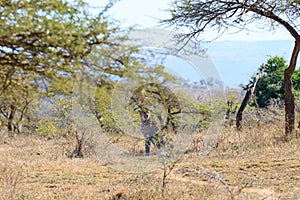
x,y
247,165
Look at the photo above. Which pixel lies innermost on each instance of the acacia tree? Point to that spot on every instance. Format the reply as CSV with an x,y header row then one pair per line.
x,y
220,15
44,43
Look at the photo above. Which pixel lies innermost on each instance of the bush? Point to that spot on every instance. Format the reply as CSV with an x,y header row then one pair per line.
x,y
271,84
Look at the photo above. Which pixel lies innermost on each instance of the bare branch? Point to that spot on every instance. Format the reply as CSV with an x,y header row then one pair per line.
x,y
198,16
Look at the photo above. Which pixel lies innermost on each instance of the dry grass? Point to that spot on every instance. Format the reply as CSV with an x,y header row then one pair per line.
x,y
253,164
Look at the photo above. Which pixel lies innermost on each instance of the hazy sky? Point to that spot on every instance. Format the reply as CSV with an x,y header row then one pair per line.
x,y
147,13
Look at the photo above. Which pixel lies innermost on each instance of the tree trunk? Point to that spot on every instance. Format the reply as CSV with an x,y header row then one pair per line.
x,y
289,95
250,91
10,124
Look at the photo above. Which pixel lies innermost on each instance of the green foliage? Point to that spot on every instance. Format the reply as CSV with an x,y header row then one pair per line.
x,y
48,38
18,102
195,115
60,87
43,44
271,84
53,117
47,127
103,111
145,96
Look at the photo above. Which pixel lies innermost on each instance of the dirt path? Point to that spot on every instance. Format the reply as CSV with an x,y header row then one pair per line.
x,y
233,191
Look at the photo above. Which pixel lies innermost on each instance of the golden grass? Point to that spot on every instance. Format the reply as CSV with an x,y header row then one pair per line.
x,y
252,164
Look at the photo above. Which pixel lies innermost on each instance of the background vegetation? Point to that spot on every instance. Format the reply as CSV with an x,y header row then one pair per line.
x,y
271,84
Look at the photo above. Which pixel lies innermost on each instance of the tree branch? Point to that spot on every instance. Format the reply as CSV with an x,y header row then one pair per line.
x,y
271,15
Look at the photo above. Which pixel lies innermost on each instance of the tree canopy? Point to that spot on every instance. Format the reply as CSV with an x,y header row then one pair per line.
x,y
219,15
43,44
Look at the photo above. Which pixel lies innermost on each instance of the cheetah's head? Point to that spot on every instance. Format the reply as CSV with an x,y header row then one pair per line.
x,y
145,115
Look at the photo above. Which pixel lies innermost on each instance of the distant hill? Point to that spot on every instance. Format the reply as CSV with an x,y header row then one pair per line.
x,y
237,61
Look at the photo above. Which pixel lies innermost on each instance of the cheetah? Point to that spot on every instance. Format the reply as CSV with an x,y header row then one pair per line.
x,y
150,131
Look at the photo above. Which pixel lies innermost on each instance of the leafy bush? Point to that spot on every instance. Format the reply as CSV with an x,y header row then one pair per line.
x,y
271,84
47,127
